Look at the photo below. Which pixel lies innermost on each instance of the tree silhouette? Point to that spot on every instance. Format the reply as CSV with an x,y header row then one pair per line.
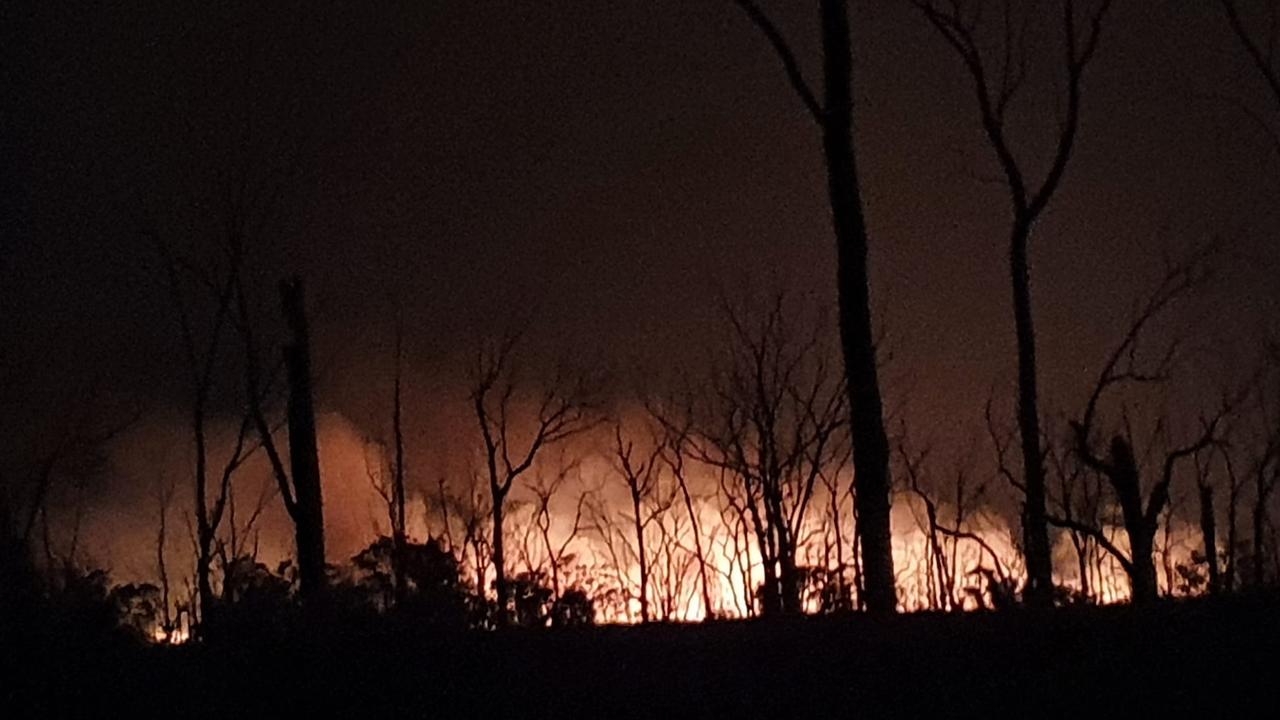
x,y
834,117
563,409
1118,464
996,85
769,421
300,484
641,476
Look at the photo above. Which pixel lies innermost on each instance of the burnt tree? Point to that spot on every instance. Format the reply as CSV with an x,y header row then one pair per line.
x,y
1118,464
834,118
300,483
996,84
563,409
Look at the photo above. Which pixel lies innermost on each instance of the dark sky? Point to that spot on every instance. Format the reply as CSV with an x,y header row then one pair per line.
x,y
613,165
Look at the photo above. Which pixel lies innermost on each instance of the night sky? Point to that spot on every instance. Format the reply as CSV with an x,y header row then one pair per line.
x,y
613,168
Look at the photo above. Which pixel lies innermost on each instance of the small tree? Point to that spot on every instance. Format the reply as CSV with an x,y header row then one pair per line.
x,y
562,410
1119,465
769,422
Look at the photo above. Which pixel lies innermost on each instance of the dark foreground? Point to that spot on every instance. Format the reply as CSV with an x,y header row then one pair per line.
x,y
1198,658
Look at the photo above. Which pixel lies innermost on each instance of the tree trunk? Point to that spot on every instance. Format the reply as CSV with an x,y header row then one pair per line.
x,y
1209,532
1035,526
499,557
870,443
398,531
1142,571
304,457
770,598
640,553
789,581
708,613
1259,539
204,535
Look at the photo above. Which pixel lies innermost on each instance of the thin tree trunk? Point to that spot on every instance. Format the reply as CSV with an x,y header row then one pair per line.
x,y
870,443
1035,530
1259,531
640,553
697,545
499,556
1209,532
304,456
398,534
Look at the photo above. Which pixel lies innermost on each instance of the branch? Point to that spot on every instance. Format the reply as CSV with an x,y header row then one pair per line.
x,y
1097,535
788,58
1260,60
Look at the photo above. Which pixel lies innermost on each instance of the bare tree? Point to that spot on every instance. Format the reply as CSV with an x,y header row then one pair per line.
x,y
673,452
1079,502
300,484
390,485
1119,465
564,408
544,491
203,350
1208,523
769,422
834,118
641,475
996,84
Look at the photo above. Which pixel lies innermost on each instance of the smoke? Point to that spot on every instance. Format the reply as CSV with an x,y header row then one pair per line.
x,y
120,513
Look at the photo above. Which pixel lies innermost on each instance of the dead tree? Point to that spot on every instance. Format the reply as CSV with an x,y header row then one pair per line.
x,y
1262,460
393,493
834,119
1208,524
641,476
544,491
1079,502
940,578
164,498
202,355
1118,465
996,84
563,409
299,484
769,421
673,452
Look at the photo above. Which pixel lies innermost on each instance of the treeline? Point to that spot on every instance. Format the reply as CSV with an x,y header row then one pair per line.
x,y
726,494
766,486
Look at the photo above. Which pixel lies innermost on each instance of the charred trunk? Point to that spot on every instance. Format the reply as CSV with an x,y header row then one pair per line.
x,y
1035,526
1209,533
870,443
640,554
499,559
1142,570
303,453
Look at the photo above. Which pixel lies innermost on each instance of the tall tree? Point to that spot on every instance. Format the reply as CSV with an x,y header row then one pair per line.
x,y
996,83
396,497
834,118
300,484
203,348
